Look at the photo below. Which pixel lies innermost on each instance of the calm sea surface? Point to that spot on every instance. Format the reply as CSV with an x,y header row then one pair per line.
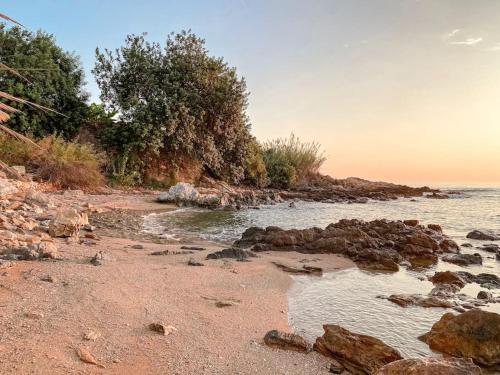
x,y
348,297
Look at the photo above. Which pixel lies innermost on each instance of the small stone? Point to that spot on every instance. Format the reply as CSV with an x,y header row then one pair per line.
x,y
193,262
287,341
49,279
162,329
34,315
87,357
91,335
137,247
101,258
226,303
484,295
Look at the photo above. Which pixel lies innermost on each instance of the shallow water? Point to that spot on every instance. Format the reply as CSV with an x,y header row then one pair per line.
x,y
349,297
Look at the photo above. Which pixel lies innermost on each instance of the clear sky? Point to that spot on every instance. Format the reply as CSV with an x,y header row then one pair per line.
x,y
401,90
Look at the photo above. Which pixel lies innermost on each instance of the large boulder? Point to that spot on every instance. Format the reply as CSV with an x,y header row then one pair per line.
x,y
483,236
67,223
448,277
360,354
287,341
182,192
473,334
431,366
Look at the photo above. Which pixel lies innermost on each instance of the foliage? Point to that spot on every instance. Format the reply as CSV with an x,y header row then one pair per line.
x,y
62,163
175,100
14,151
255,167
48,76
68,164
289,161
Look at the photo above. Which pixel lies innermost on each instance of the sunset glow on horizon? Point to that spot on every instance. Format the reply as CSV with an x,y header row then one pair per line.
x,y
393,90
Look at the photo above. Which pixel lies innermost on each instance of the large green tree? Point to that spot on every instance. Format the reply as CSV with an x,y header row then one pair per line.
x,y
53,78
176,100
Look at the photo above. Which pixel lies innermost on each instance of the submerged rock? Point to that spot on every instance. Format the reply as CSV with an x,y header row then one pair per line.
x,y
483,236
405,300
431,366
486,280
287,341
360,354
473,334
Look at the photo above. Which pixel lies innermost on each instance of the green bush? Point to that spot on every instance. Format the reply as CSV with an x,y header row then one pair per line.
x,y
255,167
289,161
13,151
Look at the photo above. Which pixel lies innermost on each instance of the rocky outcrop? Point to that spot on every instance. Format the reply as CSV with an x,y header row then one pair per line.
x,y
287,341
405,300
473,334
359,354
378,244
67,223
483,236
486,280
431,366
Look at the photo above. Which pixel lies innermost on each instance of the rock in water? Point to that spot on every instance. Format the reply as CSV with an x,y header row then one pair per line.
x,y
67,223
464,259
360,354
447,277
287,341
431,366
473,334
483,236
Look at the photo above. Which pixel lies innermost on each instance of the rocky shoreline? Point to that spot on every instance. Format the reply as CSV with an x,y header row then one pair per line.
x,y
72,231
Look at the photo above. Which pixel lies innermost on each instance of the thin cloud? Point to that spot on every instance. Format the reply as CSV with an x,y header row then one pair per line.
x,y
451,34
467,42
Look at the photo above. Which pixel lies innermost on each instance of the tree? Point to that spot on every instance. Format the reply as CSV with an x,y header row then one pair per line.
x,y
49,76
176,101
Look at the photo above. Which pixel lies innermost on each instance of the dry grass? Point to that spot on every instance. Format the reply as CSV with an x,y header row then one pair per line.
x,y
65,165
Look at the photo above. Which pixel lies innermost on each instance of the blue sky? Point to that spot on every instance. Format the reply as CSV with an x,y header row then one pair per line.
x,y
361,77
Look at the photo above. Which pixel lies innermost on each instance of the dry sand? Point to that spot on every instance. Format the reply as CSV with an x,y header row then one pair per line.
x,y
44,323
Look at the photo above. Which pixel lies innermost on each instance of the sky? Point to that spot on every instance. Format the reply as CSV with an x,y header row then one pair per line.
x,y
401,90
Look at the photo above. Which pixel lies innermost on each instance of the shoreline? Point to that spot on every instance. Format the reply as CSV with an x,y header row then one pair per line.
x,y
46,321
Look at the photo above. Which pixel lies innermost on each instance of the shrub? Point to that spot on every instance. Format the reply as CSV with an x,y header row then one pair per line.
x,y
68,165
255,167
14,151
289,161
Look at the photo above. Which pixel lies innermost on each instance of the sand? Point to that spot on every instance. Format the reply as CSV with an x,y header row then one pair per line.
x,y
44,323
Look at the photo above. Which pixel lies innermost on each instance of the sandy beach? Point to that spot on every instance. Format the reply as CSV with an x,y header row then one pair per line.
x,y
49,306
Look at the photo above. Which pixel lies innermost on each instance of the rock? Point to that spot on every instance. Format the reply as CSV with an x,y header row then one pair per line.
x,y
87,357
226,303
466,244
67,223
6,188
137,247
304,270
91,335
49,279
360,354
485,295
101,258
435,227
486,280
405,300
34,251
37,197
378,244
233,253
193,262
88,228
287,341
411,223
447,277
185,194
431,366
490,248
483,236
437,196
464,259
473,334
292,205
162,329
196,248
34,315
